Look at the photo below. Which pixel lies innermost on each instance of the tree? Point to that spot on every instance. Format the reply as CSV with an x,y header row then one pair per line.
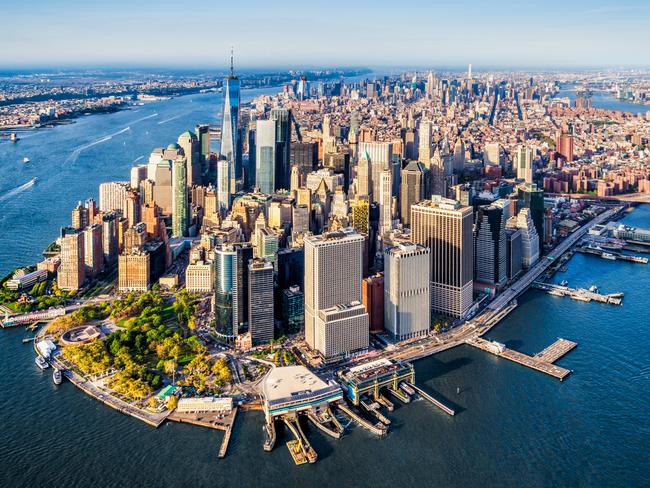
x,y
172,402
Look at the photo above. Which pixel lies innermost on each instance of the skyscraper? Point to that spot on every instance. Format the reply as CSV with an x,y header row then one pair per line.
x,y
412,188
282,119
380,155
445,227
191,149
490,259
93,254
425,151
529,196
523,161
180,206
71,273
333,272
223,186
529,237
230,134
226,295
407,305
385,202
260,299
265,154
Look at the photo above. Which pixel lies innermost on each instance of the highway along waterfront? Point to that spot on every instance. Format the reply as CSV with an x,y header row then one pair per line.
x,y
508,418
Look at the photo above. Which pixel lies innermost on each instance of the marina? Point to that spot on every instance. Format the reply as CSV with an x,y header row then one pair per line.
x,y
611,255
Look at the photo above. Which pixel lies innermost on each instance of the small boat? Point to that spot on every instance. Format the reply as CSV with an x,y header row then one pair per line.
x,y
593,289
42,363
556,293
57,377
26,160
608,255
564,283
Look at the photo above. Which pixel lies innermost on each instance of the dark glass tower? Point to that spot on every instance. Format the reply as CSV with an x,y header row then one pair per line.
x,y
230,134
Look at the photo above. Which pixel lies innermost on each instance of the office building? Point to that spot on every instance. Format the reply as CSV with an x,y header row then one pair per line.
x,y
385,202
523,162
407,304
333,272
223,186
531,197
111,195
513,253
260,300
412,188
93,253
340,330
191,150
445,227
134,270
265,153
529,237
282,119
490,259
372,296
230,134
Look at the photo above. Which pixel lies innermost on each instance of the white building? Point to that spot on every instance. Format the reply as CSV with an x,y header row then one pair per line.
x,y
407,309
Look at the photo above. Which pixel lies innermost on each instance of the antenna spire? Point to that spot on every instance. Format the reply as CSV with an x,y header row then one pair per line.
x,y
232,64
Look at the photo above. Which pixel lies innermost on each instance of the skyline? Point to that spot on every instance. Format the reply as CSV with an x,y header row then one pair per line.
x,y
584,34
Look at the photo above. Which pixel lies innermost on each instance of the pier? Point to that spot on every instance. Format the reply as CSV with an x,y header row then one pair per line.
x,y
379,429
579,294
320,422
434,401
226,437
300,449
534,362
611,255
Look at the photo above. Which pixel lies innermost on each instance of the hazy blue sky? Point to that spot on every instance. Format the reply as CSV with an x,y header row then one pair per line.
x,y
333,32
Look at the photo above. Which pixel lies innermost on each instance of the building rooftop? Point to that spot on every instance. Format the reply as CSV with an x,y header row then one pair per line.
x,y
290,381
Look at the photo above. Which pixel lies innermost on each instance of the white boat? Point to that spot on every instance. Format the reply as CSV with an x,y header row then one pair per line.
x,y
57,377
593,289
564,283
608,255
41,362
556,293
26,160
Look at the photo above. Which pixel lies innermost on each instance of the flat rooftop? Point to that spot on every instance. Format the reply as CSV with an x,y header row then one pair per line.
x,y
289,381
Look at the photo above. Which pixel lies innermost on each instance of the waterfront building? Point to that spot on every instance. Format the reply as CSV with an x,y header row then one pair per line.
x,y
490,260
265,154
180,204
213,405
291,389
407,304
372,296
333,272
370,377
93,253
72,272
341,329
445,227
260,301
111,195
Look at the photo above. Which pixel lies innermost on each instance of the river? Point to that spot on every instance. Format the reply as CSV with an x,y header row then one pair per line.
x,y
514,427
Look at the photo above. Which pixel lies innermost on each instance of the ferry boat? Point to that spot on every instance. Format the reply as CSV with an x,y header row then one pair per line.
x,y
57,377
41,362
26,160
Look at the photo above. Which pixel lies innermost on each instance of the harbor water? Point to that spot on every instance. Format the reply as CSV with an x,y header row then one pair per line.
x,y
514,427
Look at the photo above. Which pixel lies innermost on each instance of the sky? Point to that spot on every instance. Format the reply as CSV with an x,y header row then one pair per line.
x,y
280,33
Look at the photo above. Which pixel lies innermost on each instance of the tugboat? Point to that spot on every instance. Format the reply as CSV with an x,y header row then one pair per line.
x,y
57,377
42,363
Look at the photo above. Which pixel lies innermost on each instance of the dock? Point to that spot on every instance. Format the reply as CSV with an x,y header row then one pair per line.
x,y
434,401
378,429
300,448
400,395
611,255
579,294
556,350
533,362
226,437
320,425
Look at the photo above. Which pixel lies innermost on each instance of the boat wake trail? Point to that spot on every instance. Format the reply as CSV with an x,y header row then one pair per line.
x,y
138,159
17,190
170,119
144,118
75,154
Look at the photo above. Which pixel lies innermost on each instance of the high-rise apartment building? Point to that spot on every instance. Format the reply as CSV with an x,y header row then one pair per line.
x,y
71,273
134,270
407,304
180,204
93,252
111,195
445,227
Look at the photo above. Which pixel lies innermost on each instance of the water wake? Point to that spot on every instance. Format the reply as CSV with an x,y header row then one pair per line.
x,y
170,119
144,118
17,190
138,159
75,154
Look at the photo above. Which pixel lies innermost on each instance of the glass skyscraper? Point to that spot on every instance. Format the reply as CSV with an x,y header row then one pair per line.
x,y
180,206
265,155
230,134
